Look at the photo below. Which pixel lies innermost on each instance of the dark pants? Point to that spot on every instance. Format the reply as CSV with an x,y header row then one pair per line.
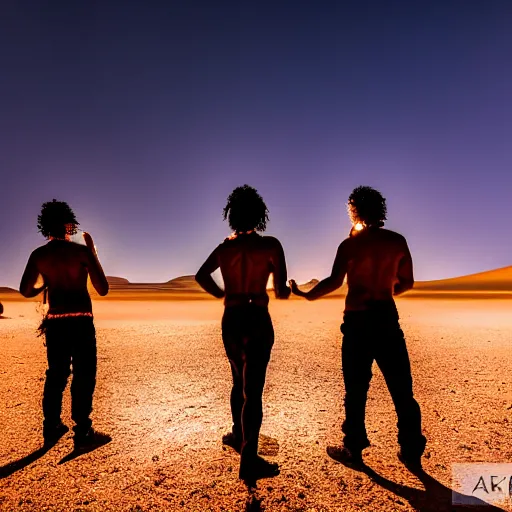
x,y
70,341
375,335
248,337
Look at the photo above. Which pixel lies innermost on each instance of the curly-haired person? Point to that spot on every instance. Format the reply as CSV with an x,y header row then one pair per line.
x,y
68,326
246,260
378,265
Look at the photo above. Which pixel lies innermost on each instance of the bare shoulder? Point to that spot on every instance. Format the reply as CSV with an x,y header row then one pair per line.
x,y
80,247
394,236
225,243
223,246
39,253
82,250
346,248
271,242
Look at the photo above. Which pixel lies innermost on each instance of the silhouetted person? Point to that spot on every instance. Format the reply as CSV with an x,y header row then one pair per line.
x,y
378,265
68,326
246,260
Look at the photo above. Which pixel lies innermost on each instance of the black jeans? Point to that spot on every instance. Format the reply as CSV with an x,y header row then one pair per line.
x,y
375,335
248,337
70,341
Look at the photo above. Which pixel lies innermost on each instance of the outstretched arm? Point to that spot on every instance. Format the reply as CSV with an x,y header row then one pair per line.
x,y
29,279
405,274
281,289
98,278
204,276
331,283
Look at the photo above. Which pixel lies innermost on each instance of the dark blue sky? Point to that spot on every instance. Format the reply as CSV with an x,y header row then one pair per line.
x,y
143,115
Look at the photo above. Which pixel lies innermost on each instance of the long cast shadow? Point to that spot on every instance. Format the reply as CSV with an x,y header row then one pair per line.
x,y
77,453
16,465
253,502
435,498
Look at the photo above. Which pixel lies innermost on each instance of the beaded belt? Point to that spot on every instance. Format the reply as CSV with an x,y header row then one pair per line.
x,y
51,316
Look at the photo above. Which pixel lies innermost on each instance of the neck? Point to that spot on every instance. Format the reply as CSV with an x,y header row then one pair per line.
x,y
239,233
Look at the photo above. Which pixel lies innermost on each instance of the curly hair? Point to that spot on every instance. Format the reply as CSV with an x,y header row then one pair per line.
x,y
368,206
246,210
56,219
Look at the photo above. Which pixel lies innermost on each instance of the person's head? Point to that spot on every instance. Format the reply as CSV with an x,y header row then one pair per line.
x,y
246,210
367,206
56,220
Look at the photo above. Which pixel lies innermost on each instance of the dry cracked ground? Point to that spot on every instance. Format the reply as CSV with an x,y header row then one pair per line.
x,y
162,393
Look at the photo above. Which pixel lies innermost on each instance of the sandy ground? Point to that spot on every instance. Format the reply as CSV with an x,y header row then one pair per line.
x,y
162,393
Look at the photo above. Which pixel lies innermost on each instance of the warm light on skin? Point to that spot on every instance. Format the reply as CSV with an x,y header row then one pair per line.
x,y
358,227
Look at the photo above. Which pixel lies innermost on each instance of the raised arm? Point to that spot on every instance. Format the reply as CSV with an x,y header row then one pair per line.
x,y
281,289
405,274
29,279
98,278
204,275
331,283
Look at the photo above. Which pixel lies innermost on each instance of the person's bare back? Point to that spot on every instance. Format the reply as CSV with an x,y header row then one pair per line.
x,y
378,266
64,267
246,262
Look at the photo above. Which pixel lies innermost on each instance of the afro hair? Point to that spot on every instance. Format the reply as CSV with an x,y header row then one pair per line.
x,y
56,220
367,206
245,210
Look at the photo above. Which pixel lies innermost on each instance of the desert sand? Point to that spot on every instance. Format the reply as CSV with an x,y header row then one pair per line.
x,y
163,389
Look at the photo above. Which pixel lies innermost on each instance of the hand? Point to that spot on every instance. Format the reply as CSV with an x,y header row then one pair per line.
x,y
295,288
88,241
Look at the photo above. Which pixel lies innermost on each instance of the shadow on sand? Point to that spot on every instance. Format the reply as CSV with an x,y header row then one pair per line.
x,y
267,446
82,451
435,498
253,503
19,464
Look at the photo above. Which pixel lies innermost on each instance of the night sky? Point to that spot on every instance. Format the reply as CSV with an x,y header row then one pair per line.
x,y
144,115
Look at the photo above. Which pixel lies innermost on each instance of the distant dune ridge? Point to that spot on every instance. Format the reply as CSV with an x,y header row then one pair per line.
x,y
183,284
309,285
117,281
4,290
496,282
120,283
491,280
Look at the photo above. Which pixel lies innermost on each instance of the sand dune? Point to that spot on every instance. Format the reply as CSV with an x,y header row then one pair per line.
x,y
184,283
4,290
309,285
117,281
184,287
180,283
491,280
